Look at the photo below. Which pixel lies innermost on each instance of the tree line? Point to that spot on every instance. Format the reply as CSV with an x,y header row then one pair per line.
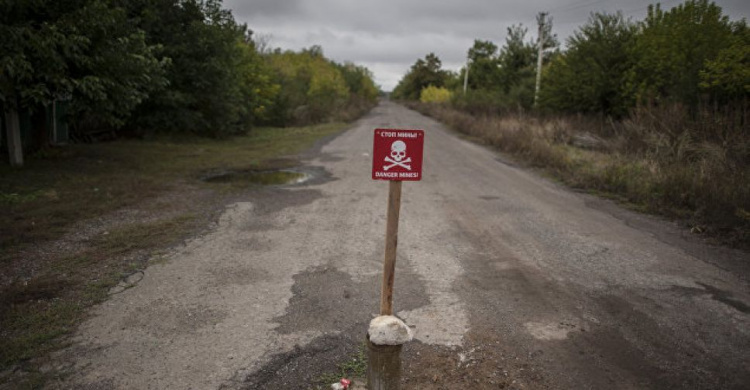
x,y
654,112
689,54
175,66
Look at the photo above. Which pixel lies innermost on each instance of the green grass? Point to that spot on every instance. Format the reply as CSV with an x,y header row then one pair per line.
x,y
354,367
64,185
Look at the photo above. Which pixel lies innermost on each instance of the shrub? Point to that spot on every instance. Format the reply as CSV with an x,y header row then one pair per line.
x,y
432,94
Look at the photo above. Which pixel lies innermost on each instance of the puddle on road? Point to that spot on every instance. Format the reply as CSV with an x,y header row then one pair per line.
x,y
265,177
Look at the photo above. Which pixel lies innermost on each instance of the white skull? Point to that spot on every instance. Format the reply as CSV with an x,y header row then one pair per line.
x,y
398,150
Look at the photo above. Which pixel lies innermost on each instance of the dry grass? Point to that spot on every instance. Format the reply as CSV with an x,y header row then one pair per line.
x,y
694,167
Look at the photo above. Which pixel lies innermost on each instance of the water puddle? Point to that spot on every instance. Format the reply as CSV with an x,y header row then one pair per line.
x,y
261,177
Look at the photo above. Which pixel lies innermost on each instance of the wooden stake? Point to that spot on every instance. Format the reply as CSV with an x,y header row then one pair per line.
x,y
391,242
383,366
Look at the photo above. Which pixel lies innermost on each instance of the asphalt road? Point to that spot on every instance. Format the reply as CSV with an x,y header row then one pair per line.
x,y
576,291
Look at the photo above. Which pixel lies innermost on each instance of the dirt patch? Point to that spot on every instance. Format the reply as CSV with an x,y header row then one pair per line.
x,y
481,363
301,368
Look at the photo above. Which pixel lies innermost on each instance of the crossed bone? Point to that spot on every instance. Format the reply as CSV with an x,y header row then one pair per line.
x,y
395,163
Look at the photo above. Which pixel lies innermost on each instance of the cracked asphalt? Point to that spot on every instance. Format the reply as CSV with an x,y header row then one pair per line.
x,y
575,291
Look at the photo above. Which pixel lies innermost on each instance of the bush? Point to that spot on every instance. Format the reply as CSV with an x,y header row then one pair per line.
x,y
432,94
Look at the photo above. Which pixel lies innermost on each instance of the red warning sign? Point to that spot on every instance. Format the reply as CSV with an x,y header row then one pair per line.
x,y
397,155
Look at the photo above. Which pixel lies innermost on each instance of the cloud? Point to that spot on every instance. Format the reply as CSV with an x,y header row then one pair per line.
x,y
387,36
268,8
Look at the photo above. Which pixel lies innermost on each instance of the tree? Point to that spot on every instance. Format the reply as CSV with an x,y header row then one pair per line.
x,y
672,48
517,67
517,58
359,80
591,75
257,86
86,50
210,89
314,88
162,66
423,73
484,65
727,77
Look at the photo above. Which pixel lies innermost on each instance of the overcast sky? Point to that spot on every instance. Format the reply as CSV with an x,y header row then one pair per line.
x,y
387,36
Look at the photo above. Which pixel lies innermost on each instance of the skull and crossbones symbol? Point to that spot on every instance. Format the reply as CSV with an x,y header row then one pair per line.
x,y
398,156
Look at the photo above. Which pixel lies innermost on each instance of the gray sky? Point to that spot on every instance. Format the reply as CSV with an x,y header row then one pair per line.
x,y
387,36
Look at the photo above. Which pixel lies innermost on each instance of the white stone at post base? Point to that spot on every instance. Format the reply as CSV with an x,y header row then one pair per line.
x,y
389,330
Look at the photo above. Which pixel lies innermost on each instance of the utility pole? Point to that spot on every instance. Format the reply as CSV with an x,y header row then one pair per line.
x,y
466,75
540,20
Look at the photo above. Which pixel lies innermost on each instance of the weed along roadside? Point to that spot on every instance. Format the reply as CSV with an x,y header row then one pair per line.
x,y
397,157
83,222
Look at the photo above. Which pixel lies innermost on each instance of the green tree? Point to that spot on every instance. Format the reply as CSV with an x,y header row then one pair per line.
x,y
257,85
86,50
327,89
314,88
423,73
727,77
484,65
591,75
517,58
673,47
164,65
359,80
209,91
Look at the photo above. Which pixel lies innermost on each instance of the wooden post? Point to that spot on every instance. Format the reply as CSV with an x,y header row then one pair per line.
x,y
391,242
383,366
391,146
384,361
13,132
